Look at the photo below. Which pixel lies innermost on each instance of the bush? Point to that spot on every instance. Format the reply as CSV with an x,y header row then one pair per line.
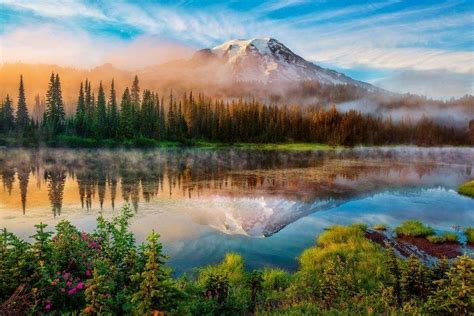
x,y
469,232
414,228
467,188
380,227
105,272
445,237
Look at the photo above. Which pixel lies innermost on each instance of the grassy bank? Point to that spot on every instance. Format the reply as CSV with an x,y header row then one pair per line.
x,y
467,188
106,272
67,141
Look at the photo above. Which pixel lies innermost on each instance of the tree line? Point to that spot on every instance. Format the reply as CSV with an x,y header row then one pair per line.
x,y
148,116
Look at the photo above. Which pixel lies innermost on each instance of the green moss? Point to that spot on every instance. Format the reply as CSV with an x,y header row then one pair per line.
x,y
414,228
467,189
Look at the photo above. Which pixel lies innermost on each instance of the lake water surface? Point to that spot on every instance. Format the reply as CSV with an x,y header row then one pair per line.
x,y
267,206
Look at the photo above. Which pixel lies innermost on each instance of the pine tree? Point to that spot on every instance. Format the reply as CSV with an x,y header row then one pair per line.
x,y
135,101
126,116
113,113
394,275
157,291
81,113
54,114
454,294
415,279
22,117
101,114
7,118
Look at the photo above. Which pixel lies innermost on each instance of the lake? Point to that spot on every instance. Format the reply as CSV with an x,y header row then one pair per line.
x,y
266,205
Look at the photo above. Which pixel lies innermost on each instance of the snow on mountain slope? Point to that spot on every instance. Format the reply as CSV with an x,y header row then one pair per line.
x,y
266,60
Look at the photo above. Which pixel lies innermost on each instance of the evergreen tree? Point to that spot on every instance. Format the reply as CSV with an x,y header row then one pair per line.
x,y
126,116
54,114
101,114
22,117
113,113
455,294
394,275
80,118
7,117
157,291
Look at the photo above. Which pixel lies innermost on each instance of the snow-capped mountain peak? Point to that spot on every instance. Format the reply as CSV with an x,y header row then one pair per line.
x,y
266,60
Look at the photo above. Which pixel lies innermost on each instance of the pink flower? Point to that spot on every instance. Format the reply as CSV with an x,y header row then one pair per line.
x,y
69,283
48,306
80,285
71,291
66,276
88,273
63,290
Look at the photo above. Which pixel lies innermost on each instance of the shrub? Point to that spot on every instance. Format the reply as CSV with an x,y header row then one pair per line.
x,y
469,232
467,188
413,228
445,237
380,227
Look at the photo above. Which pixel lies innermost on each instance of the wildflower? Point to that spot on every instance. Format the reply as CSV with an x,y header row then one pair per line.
x,y
66,276
88,310
80,285
88,273
47,306
69,283
63,290
71,291
54,283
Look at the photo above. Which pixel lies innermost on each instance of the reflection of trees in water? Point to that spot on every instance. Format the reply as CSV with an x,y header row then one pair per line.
x,y
8,177
142,174
55,179
23,172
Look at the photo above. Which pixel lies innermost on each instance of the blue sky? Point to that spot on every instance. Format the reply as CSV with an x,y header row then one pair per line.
x,y
377,41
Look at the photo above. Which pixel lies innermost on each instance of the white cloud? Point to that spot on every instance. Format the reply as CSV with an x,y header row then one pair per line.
x,y
397,58
57,8
50,45
434,83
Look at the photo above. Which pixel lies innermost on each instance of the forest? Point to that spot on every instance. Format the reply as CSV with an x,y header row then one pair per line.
x,y
106,272
147,119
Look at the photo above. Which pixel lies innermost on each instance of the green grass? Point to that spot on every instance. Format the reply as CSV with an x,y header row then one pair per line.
x,y
469,232
285,146
467,189
414,228
445,237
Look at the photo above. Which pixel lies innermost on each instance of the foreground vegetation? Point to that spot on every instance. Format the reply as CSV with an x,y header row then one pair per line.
x,y
106,272
146,119
467,188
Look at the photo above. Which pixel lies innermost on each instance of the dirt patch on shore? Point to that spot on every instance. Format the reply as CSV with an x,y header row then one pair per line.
x,y
445,250
418,246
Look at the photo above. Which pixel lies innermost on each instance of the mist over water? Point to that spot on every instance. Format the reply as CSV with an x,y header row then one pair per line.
x,y
267,205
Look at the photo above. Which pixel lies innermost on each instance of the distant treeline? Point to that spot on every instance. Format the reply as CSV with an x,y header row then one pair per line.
x,y
149,117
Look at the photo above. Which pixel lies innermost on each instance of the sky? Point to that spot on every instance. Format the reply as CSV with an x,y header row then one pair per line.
x,y
424,47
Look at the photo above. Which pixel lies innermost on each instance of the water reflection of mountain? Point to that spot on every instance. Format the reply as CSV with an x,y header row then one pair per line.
x,y
307,177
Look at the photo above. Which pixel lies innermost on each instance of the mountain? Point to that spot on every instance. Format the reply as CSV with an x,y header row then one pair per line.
x,y
268,61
